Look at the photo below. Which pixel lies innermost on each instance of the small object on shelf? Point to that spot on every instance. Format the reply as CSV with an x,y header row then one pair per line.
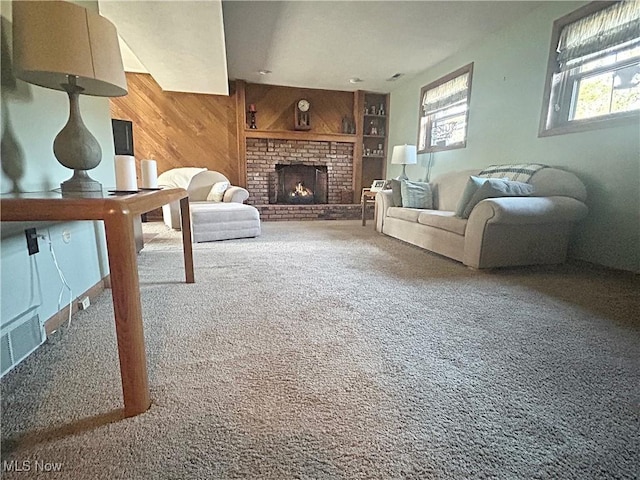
x,y
252,117
252,107
381,109
348,126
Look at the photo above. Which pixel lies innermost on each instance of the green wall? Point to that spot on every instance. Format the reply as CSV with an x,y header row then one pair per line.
x,y
31,118
506,102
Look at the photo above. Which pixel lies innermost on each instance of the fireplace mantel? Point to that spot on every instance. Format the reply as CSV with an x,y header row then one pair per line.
x,y
300,135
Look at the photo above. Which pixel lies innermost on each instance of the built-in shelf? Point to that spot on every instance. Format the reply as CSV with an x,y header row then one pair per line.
x,y
374,136
373,115
300,135
373,156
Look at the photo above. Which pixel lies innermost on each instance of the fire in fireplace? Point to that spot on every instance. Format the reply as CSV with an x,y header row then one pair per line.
x,y
301,184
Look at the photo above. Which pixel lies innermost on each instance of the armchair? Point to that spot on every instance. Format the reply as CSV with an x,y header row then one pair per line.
x,y
210,220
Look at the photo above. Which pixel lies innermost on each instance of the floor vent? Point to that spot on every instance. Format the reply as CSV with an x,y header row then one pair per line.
x,y
19,338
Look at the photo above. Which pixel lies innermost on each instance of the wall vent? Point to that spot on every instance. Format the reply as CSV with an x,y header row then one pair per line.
x,y
19,338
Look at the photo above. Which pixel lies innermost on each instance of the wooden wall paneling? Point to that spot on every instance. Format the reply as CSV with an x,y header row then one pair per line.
x,y
275,107
241,120
180,129
358,110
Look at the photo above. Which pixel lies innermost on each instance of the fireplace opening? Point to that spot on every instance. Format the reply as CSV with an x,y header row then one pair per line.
x,y
301,184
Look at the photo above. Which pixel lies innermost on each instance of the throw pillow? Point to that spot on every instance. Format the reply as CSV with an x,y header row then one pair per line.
x,y
416,194
495,187
396,193
473,184
216,194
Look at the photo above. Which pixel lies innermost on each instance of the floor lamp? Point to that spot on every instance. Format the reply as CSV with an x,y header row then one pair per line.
x,y
404,155
63,46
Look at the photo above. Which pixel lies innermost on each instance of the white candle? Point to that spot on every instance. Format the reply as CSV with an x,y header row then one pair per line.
x,y
149,170
126,173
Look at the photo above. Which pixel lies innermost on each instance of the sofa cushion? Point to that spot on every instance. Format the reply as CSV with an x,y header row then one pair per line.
x,y
443,220
409,214
416,194
396,193
473,184
495,187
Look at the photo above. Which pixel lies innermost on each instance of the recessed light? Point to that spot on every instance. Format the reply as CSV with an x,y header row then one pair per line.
x,y
394,77
264,72
355,80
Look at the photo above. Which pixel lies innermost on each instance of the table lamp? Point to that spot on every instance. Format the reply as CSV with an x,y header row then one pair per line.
x,y
404,155
63,46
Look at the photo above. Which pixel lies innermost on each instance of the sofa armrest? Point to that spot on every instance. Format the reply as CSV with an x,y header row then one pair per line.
x,y
520,230
527,211
235,194
384,200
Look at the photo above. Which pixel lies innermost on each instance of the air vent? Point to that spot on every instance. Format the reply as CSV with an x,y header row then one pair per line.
x,y
394,77
20,337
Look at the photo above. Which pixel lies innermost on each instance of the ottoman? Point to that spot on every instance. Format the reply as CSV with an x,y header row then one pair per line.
x,y
223,221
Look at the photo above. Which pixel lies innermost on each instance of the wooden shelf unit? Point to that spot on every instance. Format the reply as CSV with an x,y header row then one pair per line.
x,y
372,123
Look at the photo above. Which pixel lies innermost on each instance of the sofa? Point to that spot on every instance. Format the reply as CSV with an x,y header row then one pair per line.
x,y
499,232
216,207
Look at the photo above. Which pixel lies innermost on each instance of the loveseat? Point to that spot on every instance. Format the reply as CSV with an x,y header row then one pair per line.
x,y
216,206
499,232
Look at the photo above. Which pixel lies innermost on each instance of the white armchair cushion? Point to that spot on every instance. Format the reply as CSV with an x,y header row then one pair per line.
x,y
216,194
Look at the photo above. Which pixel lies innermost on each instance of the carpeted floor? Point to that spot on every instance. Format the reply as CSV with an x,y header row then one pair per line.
x,y
322,350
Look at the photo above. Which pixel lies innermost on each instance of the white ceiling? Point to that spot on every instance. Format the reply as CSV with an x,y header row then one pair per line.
x,y
313,44
180,42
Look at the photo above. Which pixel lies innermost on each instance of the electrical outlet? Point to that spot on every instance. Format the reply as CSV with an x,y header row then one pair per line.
x,y
84,303
32,240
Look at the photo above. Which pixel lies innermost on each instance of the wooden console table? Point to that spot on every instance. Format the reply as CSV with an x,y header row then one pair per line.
x,y
118,213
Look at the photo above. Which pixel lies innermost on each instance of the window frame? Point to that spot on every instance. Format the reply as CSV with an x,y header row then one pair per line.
x,y
571,126
427,130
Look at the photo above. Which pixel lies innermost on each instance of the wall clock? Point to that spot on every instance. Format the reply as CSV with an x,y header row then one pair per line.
x,y
301,117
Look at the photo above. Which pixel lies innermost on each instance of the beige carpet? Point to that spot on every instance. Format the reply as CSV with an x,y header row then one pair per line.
x,y
323,350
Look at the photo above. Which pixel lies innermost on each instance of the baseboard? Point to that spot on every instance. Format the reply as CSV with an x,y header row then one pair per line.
x,y
56,320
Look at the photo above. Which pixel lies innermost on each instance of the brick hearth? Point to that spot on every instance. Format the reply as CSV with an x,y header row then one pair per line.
x,y
272,213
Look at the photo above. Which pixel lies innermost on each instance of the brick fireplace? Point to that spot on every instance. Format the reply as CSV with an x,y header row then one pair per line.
x,y
267,157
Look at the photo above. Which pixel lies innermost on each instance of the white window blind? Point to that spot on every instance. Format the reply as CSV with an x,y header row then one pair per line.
x,y
597,34
446,94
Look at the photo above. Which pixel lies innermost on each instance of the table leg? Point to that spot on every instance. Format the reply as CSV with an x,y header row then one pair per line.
x,y
363,203
125,289
186,239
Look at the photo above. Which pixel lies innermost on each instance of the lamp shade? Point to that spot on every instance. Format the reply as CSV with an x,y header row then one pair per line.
x,y
54,39
404,155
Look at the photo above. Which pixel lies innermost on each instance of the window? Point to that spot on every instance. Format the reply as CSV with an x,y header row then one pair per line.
x,y
594,68
444,110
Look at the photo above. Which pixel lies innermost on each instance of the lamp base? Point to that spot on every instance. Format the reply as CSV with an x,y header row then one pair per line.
x,y
403,175
80,184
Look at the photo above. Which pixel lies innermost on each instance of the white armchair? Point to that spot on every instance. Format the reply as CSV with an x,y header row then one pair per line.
x,y
198,182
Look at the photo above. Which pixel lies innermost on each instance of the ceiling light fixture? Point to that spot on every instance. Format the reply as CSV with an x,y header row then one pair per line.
x,y
355,80
264,72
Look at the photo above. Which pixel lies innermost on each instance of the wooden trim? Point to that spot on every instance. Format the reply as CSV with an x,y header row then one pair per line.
x,y
300,135
54,322
241,125
358,115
